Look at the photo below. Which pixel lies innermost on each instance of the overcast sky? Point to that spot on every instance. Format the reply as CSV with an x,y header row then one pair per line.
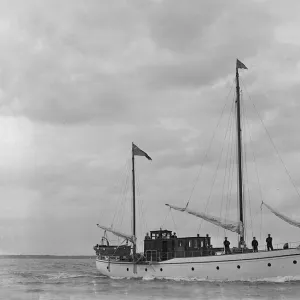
x,y
81,80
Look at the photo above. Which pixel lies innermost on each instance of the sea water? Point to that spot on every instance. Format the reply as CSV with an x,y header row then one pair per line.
x,y
57,279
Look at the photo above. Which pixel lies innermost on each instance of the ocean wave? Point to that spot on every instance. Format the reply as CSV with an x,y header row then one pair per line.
x,y
28,278
279,279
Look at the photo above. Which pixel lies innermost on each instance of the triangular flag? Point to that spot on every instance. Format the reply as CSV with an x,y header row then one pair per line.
x,y
240,65
137,151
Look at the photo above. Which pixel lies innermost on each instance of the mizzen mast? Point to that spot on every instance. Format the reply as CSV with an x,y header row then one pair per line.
x,y
239,65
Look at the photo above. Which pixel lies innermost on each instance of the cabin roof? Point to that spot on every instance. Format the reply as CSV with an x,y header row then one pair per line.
x,y
192,237
158,231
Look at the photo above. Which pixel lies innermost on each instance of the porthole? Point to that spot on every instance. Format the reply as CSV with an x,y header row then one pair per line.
x,y
161,269
269,265
217,268
146,269
193,269
127,269
294,262
107,268
238,266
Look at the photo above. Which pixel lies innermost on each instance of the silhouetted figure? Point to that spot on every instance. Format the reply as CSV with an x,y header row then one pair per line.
x,y
269,242
174,235
226,246
147,237
254,244
286,246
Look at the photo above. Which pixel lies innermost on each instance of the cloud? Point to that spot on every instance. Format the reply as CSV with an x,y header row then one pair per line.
x,y
82,64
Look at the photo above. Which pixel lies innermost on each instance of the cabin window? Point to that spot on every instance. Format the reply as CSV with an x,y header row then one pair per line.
x,y
238,266
269,265
195,243
179,243
201,244
294,262
161,269
127,269
146,269
190,243
217,268
193,269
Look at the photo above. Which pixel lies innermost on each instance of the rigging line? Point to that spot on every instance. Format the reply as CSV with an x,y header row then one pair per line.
x,y
141,204
173,221
226,165
125,191
244,123
244,165
269,136
231,163
246,190
163,224
231,166
217,168
125,200
227,169
126,166
227,158
137,199
255,165
209,147
261,221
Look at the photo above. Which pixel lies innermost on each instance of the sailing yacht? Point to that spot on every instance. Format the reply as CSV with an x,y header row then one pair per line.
x,y
194,257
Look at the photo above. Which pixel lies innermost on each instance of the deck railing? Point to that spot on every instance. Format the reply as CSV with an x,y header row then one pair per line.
x,y
280,246
154,255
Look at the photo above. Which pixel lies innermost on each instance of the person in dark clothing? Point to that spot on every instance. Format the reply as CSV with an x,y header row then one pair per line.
x,y
269,242
226,246
254,244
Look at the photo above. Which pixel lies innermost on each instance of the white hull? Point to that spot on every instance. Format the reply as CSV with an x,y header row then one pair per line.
x,y
252,266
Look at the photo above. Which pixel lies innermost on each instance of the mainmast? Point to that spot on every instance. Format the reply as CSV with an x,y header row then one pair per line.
x,y
133,207
239,65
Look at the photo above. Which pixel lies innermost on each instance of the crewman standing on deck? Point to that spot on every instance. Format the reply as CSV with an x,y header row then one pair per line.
x,y
226,246
269,242
254,244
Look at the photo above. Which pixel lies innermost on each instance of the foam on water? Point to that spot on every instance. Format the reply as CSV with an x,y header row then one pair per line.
x,y
279,279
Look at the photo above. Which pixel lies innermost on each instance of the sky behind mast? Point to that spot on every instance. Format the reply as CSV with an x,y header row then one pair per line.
x,y
80,80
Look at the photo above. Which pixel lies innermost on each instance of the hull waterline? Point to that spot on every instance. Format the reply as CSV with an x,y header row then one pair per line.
x,y
250,266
